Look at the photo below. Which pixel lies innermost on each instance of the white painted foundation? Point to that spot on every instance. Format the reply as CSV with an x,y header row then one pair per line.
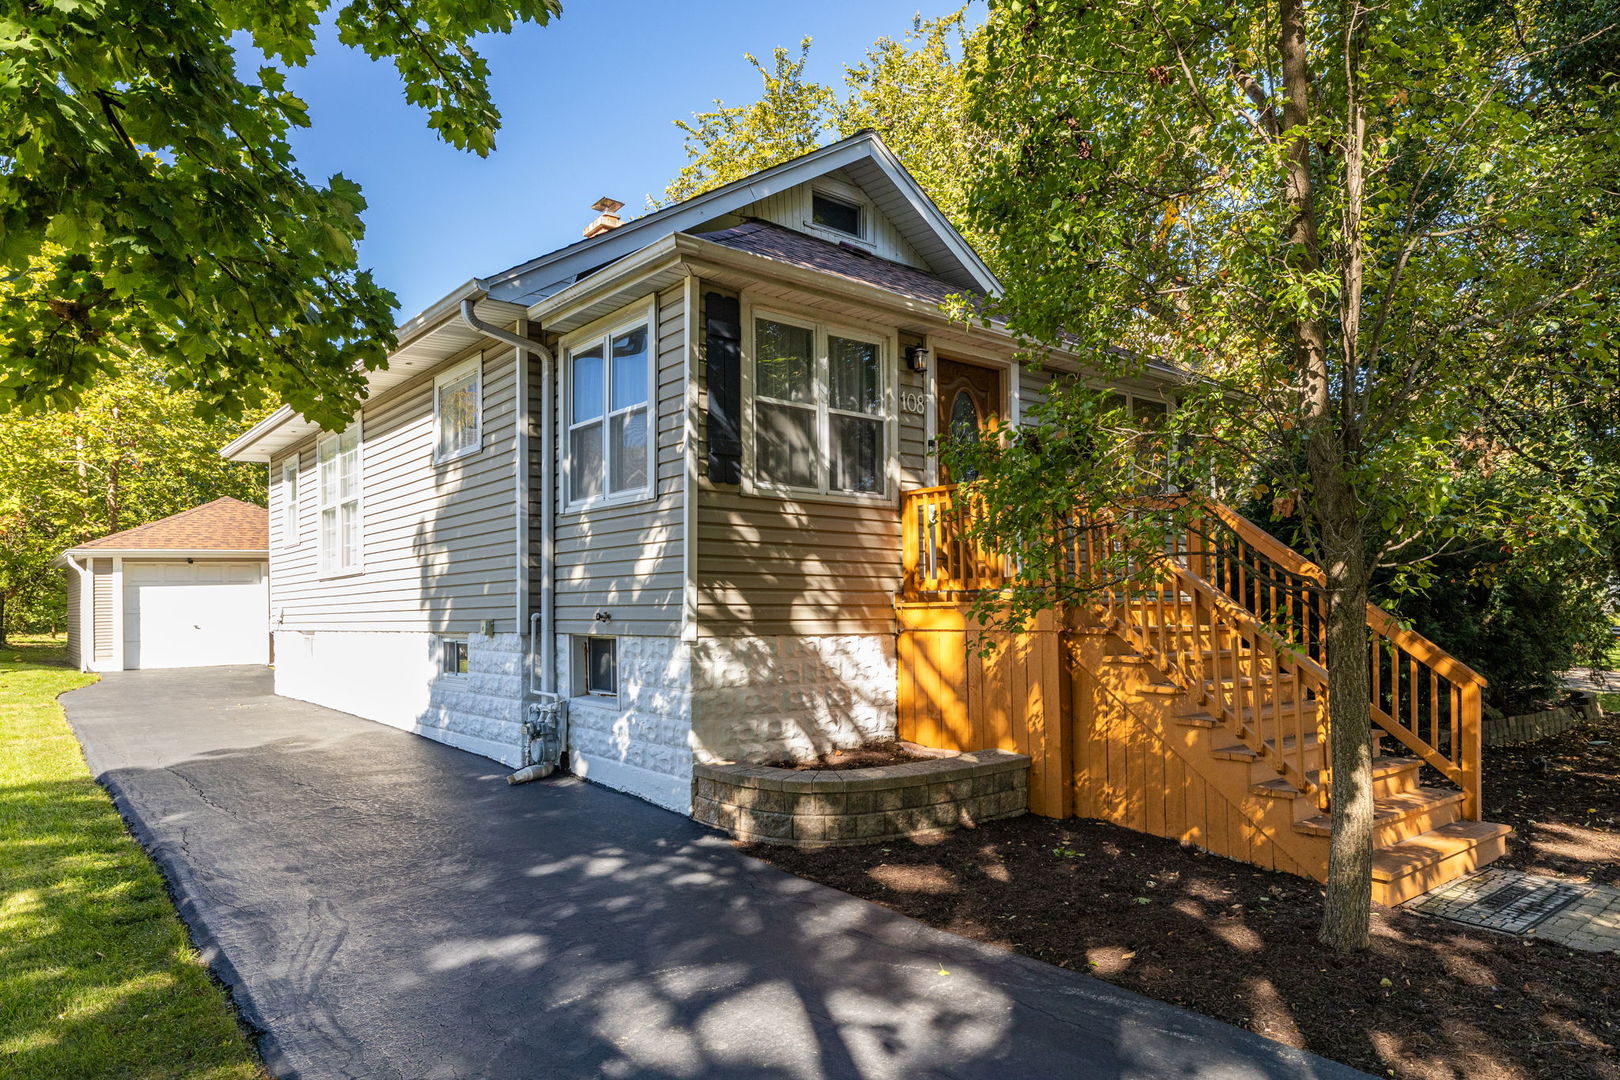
x,y
395,679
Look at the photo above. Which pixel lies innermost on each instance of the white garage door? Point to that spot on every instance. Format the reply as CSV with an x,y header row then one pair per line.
x,y
194,614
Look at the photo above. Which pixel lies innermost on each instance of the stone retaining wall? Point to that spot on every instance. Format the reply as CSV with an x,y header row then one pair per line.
x,y
1532,727
841,807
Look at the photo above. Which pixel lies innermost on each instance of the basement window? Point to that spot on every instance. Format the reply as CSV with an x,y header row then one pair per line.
x,y
835,214
599,667
453,656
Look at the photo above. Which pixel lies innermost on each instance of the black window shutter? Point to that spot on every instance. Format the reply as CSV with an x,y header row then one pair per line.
x,y
723,349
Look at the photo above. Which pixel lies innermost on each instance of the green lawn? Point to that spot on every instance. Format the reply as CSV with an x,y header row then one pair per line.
x,y
97,978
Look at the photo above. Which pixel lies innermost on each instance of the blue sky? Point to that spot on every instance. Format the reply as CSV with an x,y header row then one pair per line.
x,y
588,104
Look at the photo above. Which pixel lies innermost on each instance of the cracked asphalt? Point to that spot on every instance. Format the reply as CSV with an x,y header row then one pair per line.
x,y
382,906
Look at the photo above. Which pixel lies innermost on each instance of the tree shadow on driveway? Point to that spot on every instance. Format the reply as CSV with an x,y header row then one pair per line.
x,y
383,906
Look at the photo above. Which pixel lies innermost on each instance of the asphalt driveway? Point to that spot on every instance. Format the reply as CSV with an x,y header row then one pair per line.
x,y
383,906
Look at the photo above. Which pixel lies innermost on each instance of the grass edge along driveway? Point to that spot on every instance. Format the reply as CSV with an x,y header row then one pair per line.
x,y
97,977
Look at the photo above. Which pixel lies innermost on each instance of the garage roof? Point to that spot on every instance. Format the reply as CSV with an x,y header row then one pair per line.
x,y
222,525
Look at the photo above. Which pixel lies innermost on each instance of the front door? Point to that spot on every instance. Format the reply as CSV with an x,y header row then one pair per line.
x,y
969,401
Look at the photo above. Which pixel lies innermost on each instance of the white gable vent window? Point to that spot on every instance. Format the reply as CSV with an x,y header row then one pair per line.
x,y
835,214
338,457
609,416
821,411
458,411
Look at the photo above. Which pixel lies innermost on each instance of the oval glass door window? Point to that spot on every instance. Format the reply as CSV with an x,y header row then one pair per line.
x,y
964,417
965,424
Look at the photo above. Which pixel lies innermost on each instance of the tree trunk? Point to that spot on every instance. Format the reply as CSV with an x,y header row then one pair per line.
x,y
1349,886
1330,445
2,621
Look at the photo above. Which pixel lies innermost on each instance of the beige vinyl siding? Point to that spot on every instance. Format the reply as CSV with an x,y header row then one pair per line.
x,y
437,540
913,425
103,613
769,566
776,566
1032,384
75,648
626,560
538,457
791,209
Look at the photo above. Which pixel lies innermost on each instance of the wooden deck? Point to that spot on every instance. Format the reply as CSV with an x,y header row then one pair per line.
x,y
1190,700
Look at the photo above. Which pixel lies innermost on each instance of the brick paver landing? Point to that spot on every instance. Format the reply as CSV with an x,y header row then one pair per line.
x,y
1514,902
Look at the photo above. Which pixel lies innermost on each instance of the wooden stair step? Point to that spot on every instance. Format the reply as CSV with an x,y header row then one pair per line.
x,y
1277,788
1198,719
1383,767
1265,712
1388,809
1431,859
1244,752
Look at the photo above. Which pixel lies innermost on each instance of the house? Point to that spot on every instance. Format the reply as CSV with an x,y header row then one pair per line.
x,y
189,590
667,495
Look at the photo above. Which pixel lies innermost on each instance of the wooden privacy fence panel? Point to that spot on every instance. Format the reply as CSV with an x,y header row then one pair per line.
x,y
965,688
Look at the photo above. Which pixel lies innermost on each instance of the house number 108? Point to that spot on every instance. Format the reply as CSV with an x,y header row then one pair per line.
x,y
913,401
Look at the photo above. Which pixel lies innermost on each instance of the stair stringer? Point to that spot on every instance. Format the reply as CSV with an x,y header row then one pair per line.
x,y
1136,766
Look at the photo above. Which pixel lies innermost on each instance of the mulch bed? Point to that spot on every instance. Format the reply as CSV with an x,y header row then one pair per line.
x,y
1562,796
870,756
1429,1000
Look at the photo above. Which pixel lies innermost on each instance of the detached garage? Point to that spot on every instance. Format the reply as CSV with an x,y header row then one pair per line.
x,y
190,590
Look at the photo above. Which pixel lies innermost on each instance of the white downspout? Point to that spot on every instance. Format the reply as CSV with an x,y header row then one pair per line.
x,y
547,718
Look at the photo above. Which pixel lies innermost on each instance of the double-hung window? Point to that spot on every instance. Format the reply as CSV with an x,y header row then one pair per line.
x,y
289,502
457,411
609,417
821,408
338,459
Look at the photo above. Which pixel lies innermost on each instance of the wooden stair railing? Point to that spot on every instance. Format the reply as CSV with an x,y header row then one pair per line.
x,y
1415,684
1236,618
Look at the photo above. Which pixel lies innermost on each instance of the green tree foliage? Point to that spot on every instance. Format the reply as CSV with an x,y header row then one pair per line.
x,y
912,91
150,203
132,451
730,142
1379,243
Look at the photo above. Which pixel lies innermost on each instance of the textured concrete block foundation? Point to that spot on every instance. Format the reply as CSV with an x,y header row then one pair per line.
x,y
811,808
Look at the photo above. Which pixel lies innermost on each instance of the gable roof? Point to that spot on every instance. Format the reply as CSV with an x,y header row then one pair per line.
x,y
222,525
785,245
436,334
864,159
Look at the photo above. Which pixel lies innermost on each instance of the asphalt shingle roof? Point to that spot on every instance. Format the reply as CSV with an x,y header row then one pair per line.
x,y
784,245
222,525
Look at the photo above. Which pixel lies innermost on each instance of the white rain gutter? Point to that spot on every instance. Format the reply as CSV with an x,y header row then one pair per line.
x,y
546,716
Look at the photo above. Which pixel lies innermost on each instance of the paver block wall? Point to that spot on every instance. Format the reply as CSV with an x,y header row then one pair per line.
x,y
1532,727
836,808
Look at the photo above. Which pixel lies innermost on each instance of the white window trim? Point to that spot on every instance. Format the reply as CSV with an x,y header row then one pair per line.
x,y
604,330
451,374
888,345
291,511
322,556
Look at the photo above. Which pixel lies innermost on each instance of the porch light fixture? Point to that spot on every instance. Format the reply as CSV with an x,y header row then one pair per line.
x,y
917,358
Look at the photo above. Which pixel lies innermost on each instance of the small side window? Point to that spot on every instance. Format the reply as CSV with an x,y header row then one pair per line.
x,y
835,214
289,502
457,411
453,656
599,667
